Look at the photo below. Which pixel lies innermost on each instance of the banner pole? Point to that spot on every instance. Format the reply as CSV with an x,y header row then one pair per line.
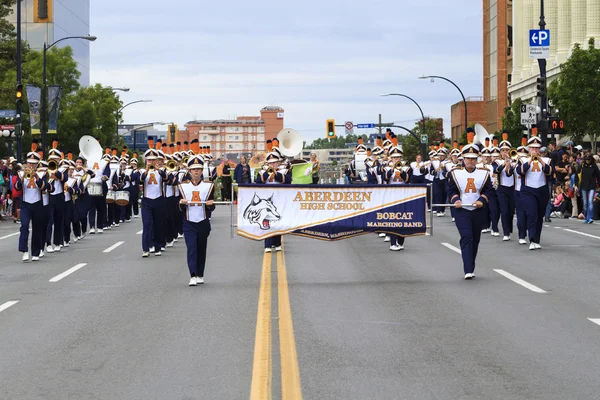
x,y
430,208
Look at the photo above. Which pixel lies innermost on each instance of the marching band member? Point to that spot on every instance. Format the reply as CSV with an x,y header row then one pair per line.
x,y
418,170
534,192
134,193
396,175
97,211
448,167
170,198
352,174
468,190
486,163
428,176
83,202
197,199
112,215
153,203
439,181
123,213
506,187
42,172
210,172
272,176
31,205
70,189
56,211
523,154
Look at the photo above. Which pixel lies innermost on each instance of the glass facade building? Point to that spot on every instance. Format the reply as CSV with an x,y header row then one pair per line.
x,y
51,20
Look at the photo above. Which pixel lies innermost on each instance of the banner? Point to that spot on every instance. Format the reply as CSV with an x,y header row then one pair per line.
x,y
34,95
302,174
54,96
330,212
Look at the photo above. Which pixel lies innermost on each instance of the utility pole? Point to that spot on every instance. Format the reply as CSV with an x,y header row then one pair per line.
x,y
543,125
18,131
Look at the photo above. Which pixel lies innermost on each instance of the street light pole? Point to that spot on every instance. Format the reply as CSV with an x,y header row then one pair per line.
x,y
119,112
543,128
43,116
423,145
456,86
18,132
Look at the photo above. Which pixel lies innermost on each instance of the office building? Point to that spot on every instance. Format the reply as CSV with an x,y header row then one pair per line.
x,y
476,113
50,20
569,22
231,137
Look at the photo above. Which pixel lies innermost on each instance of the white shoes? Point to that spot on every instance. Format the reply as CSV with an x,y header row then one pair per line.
x,y
145,254
192,281
532,246
278,248
537,246
170,244
25,256
34,258
66,244
495,233
506,238
486,230
179,236
469,276
453,219
158,253
99,230
151,249
199,280
41,253
396,247
49,249
92,231
267,249
522,241
387,239
382,235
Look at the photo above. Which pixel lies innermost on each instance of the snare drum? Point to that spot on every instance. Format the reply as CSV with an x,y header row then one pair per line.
x,y
111,197
94,189
122,198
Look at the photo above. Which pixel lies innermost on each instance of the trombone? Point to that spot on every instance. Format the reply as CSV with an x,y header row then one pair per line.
x,y
171,166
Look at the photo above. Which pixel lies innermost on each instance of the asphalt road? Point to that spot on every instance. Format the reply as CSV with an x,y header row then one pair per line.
x,y
361,323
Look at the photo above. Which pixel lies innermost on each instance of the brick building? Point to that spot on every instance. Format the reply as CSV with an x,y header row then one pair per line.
x,y
232,138
476,110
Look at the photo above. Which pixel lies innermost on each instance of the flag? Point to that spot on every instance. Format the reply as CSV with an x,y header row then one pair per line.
x,y
54,96
34,95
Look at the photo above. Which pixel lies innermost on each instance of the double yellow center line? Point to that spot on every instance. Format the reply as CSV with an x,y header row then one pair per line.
x,y
262,370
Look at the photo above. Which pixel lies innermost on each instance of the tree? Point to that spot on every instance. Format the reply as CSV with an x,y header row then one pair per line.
x,y
575,93
338,143
435,133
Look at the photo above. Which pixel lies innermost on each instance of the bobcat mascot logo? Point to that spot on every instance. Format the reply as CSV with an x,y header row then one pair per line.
x,y
262,212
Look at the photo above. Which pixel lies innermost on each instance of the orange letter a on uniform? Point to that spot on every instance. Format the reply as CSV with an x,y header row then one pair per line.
x,y
152,179
470,188
535,167
31,184
195,197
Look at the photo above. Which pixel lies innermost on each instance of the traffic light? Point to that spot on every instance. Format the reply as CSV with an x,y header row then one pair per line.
x,y
19,94
172,132
330,129
541,87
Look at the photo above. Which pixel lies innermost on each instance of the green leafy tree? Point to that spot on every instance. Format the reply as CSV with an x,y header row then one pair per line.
x,y
435,133
338,143
576,93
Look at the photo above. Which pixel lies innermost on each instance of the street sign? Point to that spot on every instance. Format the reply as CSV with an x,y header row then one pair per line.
x,y
528,114
539,43
8,113
424,139
365,126
349,125
7,127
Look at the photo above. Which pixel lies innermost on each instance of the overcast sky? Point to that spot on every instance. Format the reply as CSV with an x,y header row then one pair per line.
x,y
316,59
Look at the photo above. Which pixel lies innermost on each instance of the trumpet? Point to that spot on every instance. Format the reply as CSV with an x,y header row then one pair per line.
x,y
52,168
514,155
171,166
151,167
28,173
270,170
535,159
399,164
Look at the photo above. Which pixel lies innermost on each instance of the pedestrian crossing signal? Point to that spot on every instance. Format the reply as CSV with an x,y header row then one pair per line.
x,y
330,129
557,125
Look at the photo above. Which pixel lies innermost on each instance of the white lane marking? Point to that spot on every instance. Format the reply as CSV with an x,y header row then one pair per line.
x,y
67,272
140,232
114,246
583,233
520,281
557,227
595,320
8,304
455,249
7,236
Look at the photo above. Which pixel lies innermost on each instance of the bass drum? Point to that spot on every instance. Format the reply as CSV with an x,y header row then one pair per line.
x,y
122,198
94,189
